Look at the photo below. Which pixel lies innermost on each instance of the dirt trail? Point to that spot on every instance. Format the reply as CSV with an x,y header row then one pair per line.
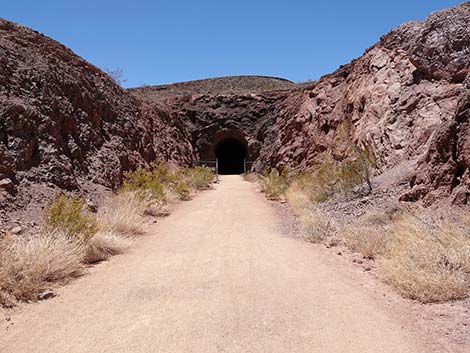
x,y
215,277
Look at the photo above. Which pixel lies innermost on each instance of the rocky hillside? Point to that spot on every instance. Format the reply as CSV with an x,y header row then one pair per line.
x,y
64,124
407,97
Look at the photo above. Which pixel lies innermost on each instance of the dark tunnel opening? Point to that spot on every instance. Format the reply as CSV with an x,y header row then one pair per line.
x,y
231,154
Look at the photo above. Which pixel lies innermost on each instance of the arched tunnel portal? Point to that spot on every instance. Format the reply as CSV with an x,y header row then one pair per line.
x,y
231,154
231,148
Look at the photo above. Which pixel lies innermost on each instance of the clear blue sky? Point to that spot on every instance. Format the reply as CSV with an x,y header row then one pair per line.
x,y
165,41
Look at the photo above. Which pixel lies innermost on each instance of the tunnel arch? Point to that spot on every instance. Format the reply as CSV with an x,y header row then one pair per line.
x,y
231,154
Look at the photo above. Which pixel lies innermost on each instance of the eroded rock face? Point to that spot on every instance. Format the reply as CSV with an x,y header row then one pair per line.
x,y
445,167
206,119
60,116
441,49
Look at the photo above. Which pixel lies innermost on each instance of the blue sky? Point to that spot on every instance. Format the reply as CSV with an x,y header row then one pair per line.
x,y
164,41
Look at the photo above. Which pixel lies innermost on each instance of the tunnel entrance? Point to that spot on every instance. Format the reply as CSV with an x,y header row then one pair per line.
x,y
231,154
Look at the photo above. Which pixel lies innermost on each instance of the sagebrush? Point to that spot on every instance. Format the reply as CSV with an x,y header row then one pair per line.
x,y
68,215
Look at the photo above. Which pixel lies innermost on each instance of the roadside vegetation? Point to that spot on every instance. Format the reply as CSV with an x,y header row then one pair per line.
x,y
423,253
72,237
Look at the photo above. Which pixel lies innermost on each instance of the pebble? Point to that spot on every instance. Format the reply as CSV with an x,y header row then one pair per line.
x,y
17,230
46,295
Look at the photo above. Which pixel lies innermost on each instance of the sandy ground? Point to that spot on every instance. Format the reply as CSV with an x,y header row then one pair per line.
x,y
217,275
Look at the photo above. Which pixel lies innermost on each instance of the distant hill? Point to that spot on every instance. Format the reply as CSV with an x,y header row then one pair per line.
x,y
218,85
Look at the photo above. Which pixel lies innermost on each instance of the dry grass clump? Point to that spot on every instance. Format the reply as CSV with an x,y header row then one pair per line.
x,y
120,218
71,235
424,254
68,215
332,177
103,245
367,240
315,225
122,213
308,188
28,265
370,235
297,199
274,184
428,256
6,283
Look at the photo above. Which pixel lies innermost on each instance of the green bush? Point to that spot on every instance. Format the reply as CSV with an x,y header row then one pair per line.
x,y
156,181
200,178
146,183
162,173
182,189
67,215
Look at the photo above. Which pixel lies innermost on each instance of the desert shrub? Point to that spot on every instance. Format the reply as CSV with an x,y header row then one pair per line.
x,y
160,178
28,265
103,245
116,74
199,177
331,177
183,190
161,172
308,187
122,213
427,256
318,184
274,184
357,169
146,183
315,225
68,215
